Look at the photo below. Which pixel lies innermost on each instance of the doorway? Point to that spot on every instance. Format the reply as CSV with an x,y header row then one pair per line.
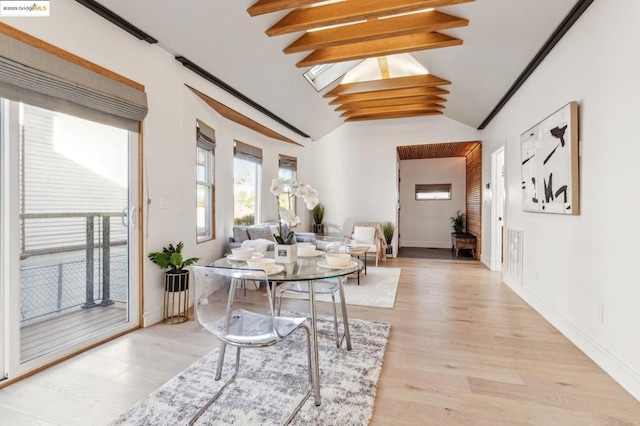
x,y
69,236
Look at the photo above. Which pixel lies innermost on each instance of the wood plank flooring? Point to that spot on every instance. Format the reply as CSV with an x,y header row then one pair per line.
x,y
463,349
58,331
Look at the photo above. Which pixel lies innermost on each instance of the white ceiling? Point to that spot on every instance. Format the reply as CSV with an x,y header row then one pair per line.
x,y
503,36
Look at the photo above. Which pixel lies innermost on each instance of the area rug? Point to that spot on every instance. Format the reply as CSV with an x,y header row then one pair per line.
x,y
271,382
378,289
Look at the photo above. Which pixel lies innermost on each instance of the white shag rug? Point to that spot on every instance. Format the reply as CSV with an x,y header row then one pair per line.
x,y
377,289
271,382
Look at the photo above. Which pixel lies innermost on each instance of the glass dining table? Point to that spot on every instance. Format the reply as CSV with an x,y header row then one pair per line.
x,y
309,269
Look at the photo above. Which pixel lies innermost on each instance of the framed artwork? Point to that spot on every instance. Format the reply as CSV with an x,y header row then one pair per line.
x,y
549,155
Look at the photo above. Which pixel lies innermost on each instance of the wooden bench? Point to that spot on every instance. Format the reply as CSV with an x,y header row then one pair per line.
x,y
463,241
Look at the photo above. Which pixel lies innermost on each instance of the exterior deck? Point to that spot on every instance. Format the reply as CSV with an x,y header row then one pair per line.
x,y
59,330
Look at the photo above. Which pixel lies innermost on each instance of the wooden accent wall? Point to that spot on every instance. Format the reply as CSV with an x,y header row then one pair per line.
x,y
474,196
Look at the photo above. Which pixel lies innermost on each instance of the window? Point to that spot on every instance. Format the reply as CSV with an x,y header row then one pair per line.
x,y
441,191
321,76
246,181
205,193
287,169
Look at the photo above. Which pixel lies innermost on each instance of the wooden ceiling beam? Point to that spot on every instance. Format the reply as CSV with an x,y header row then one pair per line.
x,y
235,116
393,115
407,100
421,80
389,94
269,6
380,47
391,109
376,29
348,12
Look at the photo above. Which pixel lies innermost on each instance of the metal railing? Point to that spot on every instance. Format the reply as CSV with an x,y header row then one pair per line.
x,y
71,260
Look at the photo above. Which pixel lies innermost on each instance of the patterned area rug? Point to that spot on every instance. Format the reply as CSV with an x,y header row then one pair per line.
x,y
272,381
378,289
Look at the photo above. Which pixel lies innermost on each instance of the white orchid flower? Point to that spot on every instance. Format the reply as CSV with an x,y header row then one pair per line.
x,y
277,186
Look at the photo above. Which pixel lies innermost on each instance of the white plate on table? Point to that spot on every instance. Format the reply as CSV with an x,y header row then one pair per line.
x,y
235,259
324,264
276,269
314,254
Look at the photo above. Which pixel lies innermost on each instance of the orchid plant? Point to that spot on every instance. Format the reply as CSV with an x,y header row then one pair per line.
x,y
292,188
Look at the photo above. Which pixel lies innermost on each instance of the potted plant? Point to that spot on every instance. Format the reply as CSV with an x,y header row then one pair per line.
x,y
171,258
176,279
284,252
318,217
458,222
388,228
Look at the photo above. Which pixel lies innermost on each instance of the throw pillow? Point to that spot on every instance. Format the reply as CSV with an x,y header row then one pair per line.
x,y
364,234
260,231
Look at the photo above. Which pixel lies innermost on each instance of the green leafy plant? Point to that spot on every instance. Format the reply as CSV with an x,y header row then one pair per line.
x,y
388,228
458,222
318,214
288,239
171,258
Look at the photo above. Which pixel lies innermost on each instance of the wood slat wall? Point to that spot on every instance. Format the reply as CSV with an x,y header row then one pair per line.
x,y
436,150
474,196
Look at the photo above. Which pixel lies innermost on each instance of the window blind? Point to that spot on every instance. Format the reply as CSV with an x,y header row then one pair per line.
x,y
205,136
288,163
40,78
247,152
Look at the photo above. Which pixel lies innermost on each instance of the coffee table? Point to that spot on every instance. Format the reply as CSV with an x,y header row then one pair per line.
x,y
357,251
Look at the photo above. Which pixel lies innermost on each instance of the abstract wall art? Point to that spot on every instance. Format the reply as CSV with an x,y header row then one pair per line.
x,y
549,155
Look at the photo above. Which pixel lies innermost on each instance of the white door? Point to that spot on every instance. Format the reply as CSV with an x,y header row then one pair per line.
x,y
69,243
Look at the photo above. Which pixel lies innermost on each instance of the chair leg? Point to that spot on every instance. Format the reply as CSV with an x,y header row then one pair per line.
x,y
309,368
227,383
223,347
335,319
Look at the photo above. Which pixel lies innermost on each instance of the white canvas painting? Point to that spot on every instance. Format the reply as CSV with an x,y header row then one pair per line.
x,y
550,164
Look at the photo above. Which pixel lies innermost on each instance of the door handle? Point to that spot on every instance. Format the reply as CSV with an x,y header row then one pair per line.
x,y
132,217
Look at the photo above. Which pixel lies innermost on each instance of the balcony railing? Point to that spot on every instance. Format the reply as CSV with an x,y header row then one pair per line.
x,y
70,260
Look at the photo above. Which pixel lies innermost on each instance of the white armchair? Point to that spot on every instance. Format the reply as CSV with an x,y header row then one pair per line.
x,y
370,234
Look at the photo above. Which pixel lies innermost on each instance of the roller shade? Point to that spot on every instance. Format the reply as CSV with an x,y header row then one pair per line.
x,y
288,163
37,77
247,152
206,136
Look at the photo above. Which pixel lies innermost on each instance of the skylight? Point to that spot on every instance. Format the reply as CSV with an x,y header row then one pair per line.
x,y
321,76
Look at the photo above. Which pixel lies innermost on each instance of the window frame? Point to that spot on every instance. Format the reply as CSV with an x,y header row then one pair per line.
x,y
252,155
205,144
433,188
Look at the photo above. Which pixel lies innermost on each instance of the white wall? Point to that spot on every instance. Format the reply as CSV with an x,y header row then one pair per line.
x,y
427,223
169,138
356,166
574,263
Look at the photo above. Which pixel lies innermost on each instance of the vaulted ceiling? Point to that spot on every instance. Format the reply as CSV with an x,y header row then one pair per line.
x,y
473,51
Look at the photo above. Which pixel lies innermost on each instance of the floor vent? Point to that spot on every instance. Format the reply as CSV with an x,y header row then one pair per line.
x,y
513,252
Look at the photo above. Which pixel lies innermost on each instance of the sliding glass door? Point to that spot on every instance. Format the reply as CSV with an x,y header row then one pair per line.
x,y
71,201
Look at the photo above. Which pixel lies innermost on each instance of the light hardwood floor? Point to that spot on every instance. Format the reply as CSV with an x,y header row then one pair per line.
x,y
463,349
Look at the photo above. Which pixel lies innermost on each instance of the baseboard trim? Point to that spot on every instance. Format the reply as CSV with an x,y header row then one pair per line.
x,y
611,364
153,317
427,244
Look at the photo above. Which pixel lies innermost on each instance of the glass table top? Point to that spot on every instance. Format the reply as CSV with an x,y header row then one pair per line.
x,y
305,268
